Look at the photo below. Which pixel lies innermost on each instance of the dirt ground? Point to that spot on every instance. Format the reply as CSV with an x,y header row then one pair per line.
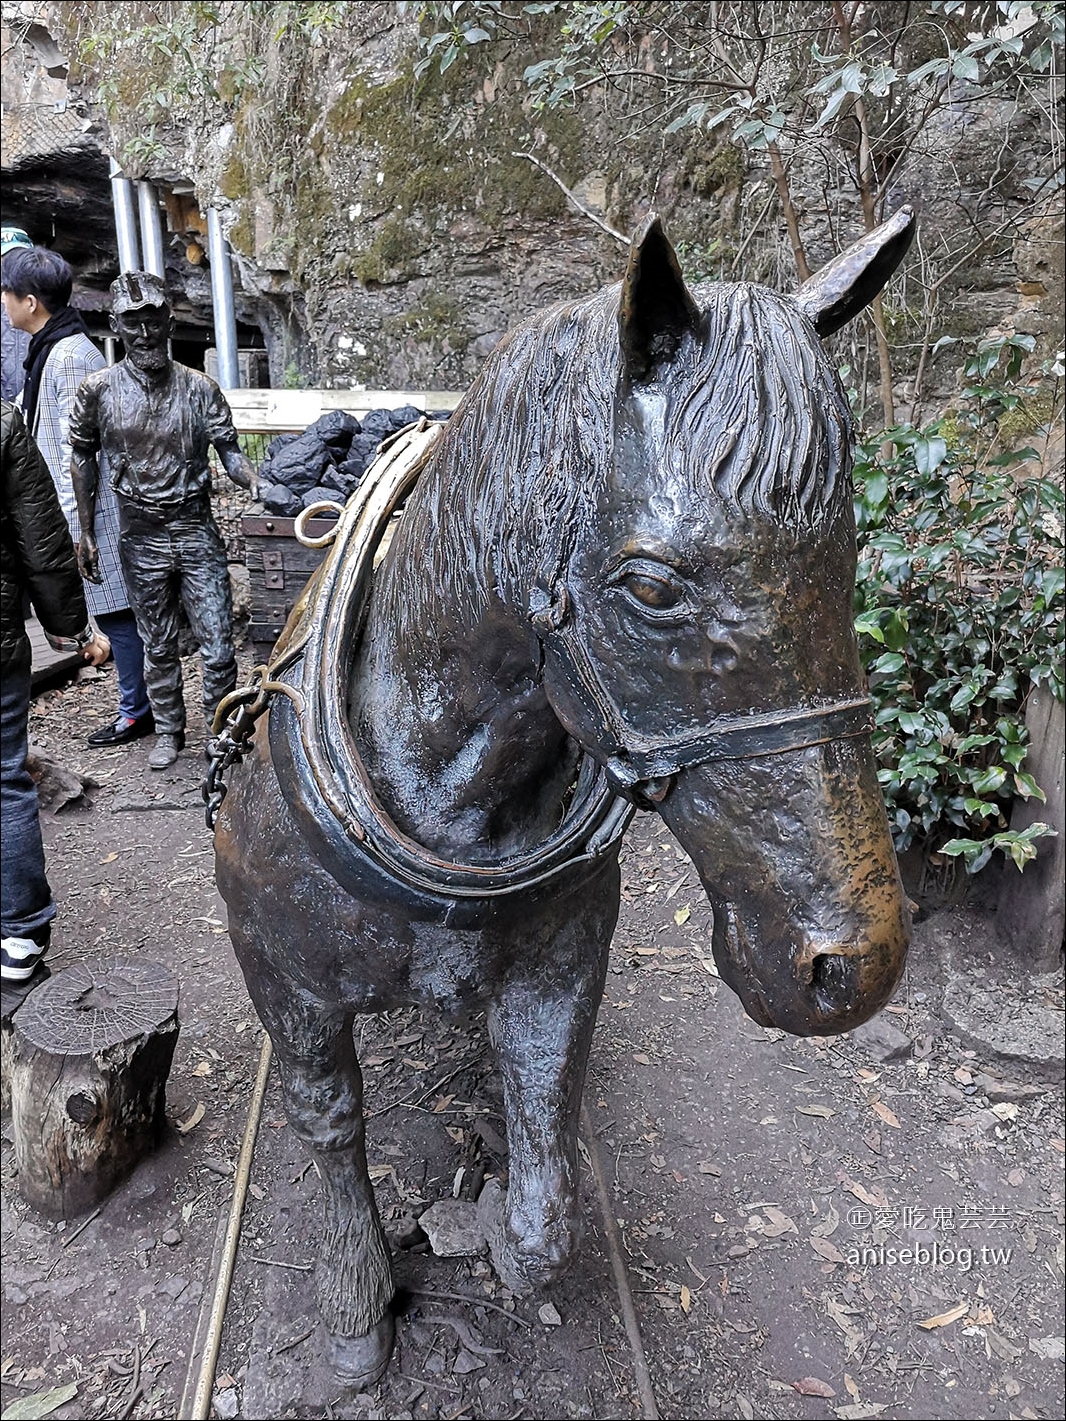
x,y
861,1226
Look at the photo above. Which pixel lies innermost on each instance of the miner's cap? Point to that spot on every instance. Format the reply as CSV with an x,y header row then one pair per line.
x,y
12,237
134,289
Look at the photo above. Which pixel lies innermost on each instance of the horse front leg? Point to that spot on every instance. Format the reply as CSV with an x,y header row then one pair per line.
x,y
323,1096
542,1041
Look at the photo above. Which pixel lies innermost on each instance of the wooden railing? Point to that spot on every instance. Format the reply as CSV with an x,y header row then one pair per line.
x,y
276,411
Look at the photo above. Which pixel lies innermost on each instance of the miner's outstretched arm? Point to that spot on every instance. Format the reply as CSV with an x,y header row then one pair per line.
x,y
85,477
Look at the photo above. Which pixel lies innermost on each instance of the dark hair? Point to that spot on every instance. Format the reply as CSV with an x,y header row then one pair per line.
x,y
36,271
754,414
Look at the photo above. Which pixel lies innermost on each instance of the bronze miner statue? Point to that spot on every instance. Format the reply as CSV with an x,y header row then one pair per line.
x,y
622,579
154,422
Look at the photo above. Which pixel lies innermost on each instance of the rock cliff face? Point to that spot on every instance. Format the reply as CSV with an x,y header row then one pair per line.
x,y
388,228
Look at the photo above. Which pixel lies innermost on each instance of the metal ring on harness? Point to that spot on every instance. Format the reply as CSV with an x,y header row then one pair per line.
x,y
304,517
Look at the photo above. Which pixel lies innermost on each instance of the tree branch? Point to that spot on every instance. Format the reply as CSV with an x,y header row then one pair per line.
x,y
578,206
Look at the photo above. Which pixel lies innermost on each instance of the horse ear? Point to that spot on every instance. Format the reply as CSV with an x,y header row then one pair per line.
x,y
832,296
656,308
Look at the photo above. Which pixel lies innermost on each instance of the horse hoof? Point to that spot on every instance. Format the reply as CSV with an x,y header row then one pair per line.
x,y
362,1361
490,1205
523,1271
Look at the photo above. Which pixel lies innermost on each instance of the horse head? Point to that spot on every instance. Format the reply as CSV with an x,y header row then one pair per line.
x,y
694,612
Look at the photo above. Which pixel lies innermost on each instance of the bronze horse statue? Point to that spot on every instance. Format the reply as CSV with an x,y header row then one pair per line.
x,y
622,577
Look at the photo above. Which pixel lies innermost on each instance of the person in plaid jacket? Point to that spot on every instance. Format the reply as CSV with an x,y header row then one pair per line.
x,y
36,292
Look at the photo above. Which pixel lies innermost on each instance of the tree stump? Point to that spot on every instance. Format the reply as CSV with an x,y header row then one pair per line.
x,y
90,1053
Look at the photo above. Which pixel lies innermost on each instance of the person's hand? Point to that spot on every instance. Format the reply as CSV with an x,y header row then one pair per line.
x,y
97,651
89,559
250,479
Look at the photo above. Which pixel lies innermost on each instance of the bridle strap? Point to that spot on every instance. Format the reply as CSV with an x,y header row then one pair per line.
x,y
633,759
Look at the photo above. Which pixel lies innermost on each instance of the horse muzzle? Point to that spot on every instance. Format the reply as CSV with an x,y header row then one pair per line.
x,y
807,982
811,924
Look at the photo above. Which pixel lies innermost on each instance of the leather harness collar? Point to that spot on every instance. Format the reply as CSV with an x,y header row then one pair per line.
x,y
332,784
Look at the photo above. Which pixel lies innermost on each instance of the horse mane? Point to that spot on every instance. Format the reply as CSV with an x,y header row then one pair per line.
x,y
755,415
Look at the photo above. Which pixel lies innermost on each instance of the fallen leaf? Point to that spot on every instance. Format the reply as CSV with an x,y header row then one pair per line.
x,y
829,1225
193,1120
827,1250
682,915
875,1197
842,1317
859,1411
110,858
378,1172
981,1316
1016,1177
40,1403
706,1167
865,1074
203,1069
1049,1349
256,1192
850,1387
888,1116
1004,1350
709,965
942,1319
640,1056
779,1223
549,1315
646,951
745,1407
686,1298
813,1386
823,1112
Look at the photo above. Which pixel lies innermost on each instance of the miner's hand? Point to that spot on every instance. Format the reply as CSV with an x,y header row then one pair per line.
x,y
89,558
249,472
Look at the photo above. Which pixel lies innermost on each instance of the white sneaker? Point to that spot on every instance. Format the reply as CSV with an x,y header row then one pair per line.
x,y
19,957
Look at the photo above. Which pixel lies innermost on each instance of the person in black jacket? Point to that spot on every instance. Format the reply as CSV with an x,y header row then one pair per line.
x,y
37,562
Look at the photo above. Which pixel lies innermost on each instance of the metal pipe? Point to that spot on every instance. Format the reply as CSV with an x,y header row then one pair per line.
x,y
129,258
222,300
151,229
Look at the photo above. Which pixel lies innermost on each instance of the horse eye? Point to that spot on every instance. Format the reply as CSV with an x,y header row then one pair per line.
x,y
653,592
652,588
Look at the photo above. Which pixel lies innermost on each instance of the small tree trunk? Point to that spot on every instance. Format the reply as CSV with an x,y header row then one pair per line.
x,y
1031,913
90,1053
788,207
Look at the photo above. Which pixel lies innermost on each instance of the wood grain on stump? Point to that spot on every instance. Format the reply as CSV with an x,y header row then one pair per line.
x,y
90,1053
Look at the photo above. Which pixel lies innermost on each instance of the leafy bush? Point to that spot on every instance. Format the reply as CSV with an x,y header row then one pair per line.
x,y
959,603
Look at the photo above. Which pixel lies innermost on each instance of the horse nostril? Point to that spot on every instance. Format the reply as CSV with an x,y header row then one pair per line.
x,y
831,974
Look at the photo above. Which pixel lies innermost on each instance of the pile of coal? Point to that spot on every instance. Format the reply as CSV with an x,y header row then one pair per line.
x,y
326,461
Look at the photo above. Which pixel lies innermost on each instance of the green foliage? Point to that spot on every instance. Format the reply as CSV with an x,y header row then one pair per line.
x,y
293,377
159,66
959,602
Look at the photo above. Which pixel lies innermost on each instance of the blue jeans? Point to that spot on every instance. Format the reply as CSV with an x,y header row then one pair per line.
x,y
120,628
26,906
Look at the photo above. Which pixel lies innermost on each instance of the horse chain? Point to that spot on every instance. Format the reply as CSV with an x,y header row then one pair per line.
x,y
231,735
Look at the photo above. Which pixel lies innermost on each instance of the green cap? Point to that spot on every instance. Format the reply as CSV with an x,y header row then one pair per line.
x,y
11,237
